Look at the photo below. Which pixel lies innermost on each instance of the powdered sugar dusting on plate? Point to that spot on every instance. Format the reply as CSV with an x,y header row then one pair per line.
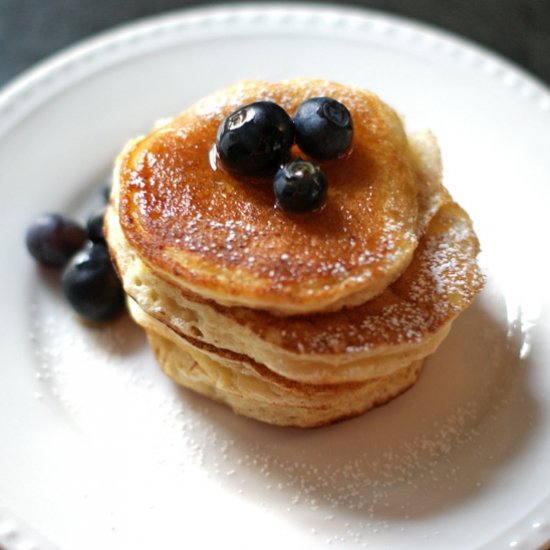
x,y
352,481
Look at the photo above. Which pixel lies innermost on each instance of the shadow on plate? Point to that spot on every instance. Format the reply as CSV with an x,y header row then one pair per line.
x,y
423,453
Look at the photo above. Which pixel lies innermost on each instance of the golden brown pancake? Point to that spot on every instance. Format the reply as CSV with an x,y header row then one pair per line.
x,y
293,319
223,238
253,390
405,323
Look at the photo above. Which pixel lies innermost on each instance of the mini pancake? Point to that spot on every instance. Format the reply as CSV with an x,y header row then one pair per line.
x,y
405,323
293,319
252,390
222,238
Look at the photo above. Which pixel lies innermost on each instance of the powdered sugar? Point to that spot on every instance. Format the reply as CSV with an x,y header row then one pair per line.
x,y
347,484
441,281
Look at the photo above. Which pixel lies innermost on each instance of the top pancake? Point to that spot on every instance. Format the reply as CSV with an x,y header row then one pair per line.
x,y
223,238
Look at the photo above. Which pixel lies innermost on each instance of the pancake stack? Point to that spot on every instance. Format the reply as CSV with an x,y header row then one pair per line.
x,y
292,318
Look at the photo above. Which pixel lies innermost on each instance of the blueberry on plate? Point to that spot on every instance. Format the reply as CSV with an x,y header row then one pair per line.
x,y
91,285
94,225
106,189
300,186
53,239
255,138
323,127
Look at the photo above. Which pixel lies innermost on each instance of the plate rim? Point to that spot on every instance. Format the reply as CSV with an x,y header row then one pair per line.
x,y
48,71
44,80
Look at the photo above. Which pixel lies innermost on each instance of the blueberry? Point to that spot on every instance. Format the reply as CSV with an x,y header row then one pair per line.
x,y
300,185
94,225
324,128
52,239
106,189
255,139
91,285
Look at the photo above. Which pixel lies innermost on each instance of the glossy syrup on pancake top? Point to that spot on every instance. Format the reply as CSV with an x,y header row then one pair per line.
x,y
223,237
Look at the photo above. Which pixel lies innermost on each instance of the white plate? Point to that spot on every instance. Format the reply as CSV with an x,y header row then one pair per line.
x,y
101,451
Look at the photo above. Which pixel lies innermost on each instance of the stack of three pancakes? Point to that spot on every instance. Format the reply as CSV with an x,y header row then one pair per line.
x,y
291,318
